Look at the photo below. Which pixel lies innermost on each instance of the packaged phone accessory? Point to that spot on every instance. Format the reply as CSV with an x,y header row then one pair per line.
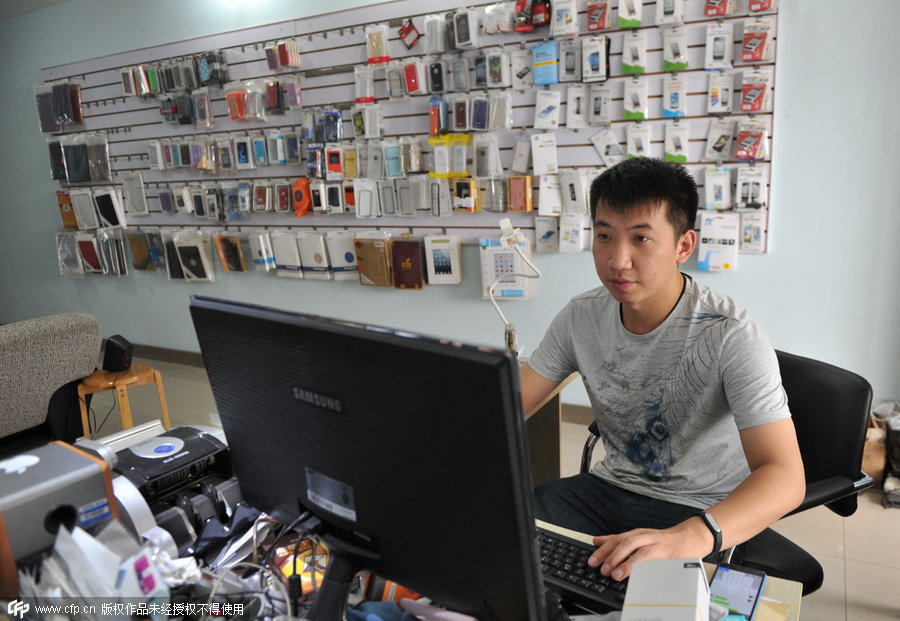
x,y
634,53
595,58
545,58
373,258
564,19
261,252
577,106
598,15
752,139
719,98
719,8
134,195
443,259
637,140
501,268
675,49
606,144
435,34
635,100
751,188
674,97
287,254
500,110
521,69
498,73
719,241
377,44
570,65
719,46
543,154
669,12
574,232
753,231
546,109
549,196
599,104
676,147
718,140
546,234
756,90
717,186
757,44
630,13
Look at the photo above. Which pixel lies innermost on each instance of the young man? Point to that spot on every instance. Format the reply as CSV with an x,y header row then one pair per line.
x,y
701,452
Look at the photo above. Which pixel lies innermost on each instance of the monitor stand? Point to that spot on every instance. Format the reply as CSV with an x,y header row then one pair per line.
x,y
346,560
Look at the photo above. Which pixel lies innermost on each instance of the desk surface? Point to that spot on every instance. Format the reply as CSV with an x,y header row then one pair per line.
x,y
781,598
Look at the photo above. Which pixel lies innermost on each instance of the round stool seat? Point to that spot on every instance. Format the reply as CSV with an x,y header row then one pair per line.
x,y
106,380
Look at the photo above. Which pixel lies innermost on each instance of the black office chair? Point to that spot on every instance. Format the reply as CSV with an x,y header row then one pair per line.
x,y
830,408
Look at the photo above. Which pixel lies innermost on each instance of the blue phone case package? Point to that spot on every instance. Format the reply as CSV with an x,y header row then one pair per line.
x,y
545,63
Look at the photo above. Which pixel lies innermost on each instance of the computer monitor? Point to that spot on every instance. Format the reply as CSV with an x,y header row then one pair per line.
x,y
410,450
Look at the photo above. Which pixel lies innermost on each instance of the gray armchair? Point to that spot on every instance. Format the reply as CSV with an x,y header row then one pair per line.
x,y
41,362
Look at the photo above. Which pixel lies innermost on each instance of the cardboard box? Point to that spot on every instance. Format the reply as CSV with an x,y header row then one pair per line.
x,y
667,590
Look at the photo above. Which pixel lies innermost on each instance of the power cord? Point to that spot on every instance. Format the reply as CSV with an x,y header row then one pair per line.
x,y
511,238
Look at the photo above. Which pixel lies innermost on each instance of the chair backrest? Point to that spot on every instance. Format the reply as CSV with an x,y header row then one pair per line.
x,y
830,408
37,356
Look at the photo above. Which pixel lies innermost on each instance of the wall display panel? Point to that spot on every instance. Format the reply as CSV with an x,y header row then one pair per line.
x,y
332,45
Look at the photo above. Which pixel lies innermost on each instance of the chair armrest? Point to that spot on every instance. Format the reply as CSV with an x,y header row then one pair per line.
x,y
838,493
589,444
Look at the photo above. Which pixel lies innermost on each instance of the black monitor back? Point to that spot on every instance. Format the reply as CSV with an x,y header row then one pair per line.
x,y
409,447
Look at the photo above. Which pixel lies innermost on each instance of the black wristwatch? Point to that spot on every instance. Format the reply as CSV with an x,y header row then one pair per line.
x,y
714,528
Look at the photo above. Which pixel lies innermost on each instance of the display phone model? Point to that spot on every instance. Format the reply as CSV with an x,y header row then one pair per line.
x,y
668,7
737,588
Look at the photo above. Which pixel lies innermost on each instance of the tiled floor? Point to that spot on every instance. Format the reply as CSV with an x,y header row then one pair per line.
x,y
860,554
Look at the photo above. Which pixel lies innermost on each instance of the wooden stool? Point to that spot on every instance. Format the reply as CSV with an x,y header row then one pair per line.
x,y
100,381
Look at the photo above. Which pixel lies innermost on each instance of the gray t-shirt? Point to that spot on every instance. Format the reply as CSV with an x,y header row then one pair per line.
x,y
669,403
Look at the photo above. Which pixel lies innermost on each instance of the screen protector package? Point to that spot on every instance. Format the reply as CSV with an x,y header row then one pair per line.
x,y
752,139
751,187
757,44
637,140
719,46
718,140
675,49
676,146
635,102
634,53
756,90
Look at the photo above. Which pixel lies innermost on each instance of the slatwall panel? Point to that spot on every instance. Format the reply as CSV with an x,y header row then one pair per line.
x,y
337,41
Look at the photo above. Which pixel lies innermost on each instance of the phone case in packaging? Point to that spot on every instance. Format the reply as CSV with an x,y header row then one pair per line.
x,y
415,75
435,34
314,255
342,255
519,193
466,195
231,255
287,254
373,258
66,212
377,44
461,113
466,28
193,252
261,251
438,76
406,264
133,193
500,111
364,80
68,256
498,75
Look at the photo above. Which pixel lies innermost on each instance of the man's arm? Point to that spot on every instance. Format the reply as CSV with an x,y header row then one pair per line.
x,y
535,388
776,485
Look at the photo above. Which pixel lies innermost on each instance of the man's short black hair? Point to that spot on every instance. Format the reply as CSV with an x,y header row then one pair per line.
x,y
639,183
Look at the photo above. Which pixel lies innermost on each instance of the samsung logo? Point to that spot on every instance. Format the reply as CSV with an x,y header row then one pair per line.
x,y
314,398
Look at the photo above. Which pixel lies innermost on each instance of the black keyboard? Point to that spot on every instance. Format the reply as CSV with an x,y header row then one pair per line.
x,y
566,572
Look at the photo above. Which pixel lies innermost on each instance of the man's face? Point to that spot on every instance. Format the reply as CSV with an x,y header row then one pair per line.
x,y
637,255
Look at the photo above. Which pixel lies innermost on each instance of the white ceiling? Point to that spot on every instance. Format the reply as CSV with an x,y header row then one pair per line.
x,y
14,8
